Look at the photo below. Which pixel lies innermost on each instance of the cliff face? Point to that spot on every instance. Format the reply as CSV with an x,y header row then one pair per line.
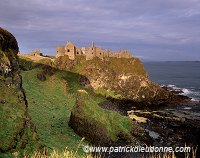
x,y
101,126
17,132
126,78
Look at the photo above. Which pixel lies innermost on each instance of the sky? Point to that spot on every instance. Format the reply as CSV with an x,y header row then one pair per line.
x,y
153,30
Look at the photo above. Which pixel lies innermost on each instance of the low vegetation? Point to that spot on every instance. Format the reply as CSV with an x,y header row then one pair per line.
x,y
107,93
35,123
51,102
106,126
16,129
50,105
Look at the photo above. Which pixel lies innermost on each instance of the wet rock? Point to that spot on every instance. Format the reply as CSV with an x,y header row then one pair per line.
x,y
175,128
175,91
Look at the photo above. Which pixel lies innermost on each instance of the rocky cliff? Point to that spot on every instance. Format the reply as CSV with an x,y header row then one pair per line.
x,y
125,78
127,81
101,126
120,78
16,129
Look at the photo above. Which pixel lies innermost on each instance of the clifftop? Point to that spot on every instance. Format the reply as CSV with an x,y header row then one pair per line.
x,y
8,41
8,52
124,77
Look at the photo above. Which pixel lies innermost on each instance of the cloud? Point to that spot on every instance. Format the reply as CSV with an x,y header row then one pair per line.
x,y
145,27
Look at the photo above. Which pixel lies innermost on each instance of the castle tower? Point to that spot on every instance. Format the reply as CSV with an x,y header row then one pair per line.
x,y
91,52
60,51
93,49
120,53
70,50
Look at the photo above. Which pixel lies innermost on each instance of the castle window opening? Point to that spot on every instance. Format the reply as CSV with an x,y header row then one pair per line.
x,y
100,53
68,50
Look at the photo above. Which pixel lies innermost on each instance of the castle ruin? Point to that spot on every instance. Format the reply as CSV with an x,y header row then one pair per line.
x,y
89,52
36,52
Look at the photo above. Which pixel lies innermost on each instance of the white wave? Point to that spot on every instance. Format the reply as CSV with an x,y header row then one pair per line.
x,y
194,99
173,87
186,91
196,114
191,93
187,108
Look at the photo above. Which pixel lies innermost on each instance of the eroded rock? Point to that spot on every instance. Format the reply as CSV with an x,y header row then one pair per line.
x,y
17,131
101,126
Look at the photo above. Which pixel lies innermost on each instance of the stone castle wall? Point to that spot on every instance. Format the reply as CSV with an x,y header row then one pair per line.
x,y
89,52
36,52
70,50
60,51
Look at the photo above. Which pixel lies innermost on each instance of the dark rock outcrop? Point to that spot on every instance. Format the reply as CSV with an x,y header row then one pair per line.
x,y
17,131
41,76
103,127
172,128
126,78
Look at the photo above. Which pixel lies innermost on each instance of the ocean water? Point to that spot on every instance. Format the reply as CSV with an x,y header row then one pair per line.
x,y
178,75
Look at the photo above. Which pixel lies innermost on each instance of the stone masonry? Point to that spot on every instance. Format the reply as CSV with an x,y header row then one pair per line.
x,y
89,52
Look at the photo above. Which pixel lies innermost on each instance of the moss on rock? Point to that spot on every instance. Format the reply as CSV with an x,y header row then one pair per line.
x,y
121,78
17,132
100,126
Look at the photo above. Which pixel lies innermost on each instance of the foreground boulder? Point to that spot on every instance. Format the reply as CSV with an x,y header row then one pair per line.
x,y
101,126
16,129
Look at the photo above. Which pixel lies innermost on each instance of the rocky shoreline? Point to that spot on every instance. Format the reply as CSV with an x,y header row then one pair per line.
x,y
164,124
155,121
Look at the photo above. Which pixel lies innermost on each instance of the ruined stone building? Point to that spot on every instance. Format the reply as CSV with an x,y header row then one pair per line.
x,y
89,52
36,52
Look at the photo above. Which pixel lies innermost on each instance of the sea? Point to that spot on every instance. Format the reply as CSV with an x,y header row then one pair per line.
x,y
179,75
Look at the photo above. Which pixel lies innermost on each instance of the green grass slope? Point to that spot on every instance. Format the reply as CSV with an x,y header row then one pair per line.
x,y
50,105
106,127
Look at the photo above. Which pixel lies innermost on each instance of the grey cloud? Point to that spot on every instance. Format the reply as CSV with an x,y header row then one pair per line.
x,y
146,27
